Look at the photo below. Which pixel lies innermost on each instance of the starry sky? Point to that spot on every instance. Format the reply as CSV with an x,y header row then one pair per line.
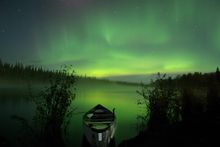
x,y
112,38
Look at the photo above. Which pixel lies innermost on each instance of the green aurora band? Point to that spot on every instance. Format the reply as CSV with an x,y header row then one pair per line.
x,y
129,37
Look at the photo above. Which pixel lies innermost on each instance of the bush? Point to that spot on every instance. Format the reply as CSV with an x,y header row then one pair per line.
x,y
53,112
162,102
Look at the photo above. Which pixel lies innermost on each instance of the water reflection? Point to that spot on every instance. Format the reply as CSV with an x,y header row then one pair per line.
x,y
121,97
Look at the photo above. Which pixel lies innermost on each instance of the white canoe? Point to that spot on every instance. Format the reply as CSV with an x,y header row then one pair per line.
x,y
99,126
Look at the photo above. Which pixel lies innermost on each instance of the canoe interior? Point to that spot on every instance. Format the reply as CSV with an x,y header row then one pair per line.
x,y
99,126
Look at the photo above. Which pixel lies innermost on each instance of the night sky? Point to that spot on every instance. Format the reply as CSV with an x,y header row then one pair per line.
x,y
112,37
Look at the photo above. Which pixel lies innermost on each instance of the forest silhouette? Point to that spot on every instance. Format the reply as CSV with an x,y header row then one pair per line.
x,y
19,72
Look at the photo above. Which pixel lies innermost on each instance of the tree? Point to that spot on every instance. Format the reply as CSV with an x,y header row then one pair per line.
x,y
217,74
1,67
1,64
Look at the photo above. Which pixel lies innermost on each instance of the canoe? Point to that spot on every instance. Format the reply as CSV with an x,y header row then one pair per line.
x,y
99,126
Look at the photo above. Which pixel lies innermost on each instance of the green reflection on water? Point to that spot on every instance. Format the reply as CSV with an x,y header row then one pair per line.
x,y
112,95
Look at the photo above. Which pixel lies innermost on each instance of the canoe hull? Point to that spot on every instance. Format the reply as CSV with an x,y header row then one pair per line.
x,y
99,139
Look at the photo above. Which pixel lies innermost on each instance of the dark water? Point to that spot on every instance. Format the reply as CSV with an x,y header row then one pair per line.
x,y
13,101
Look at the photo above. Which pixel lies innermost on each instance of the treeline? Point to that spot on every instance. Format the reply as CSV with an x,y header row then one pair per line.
x,y
194,95
197,79
19,72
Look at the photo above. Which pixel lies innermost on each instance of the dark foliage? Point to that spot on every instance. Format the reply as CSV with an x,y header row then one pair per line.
x,y
53,112
53,107
191,101
161,102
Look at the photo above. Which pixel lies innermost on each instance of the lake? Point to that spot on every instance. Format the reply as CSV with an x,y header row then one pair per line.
x,y
14,101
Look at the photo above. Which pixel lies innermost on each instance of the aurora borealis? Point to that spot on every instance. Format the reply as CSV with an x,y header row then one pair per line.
x,y
112,37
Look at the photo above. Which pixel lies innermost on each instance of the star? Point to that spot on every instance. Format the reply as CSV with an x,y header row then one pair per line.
x,y
19,10
3,31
